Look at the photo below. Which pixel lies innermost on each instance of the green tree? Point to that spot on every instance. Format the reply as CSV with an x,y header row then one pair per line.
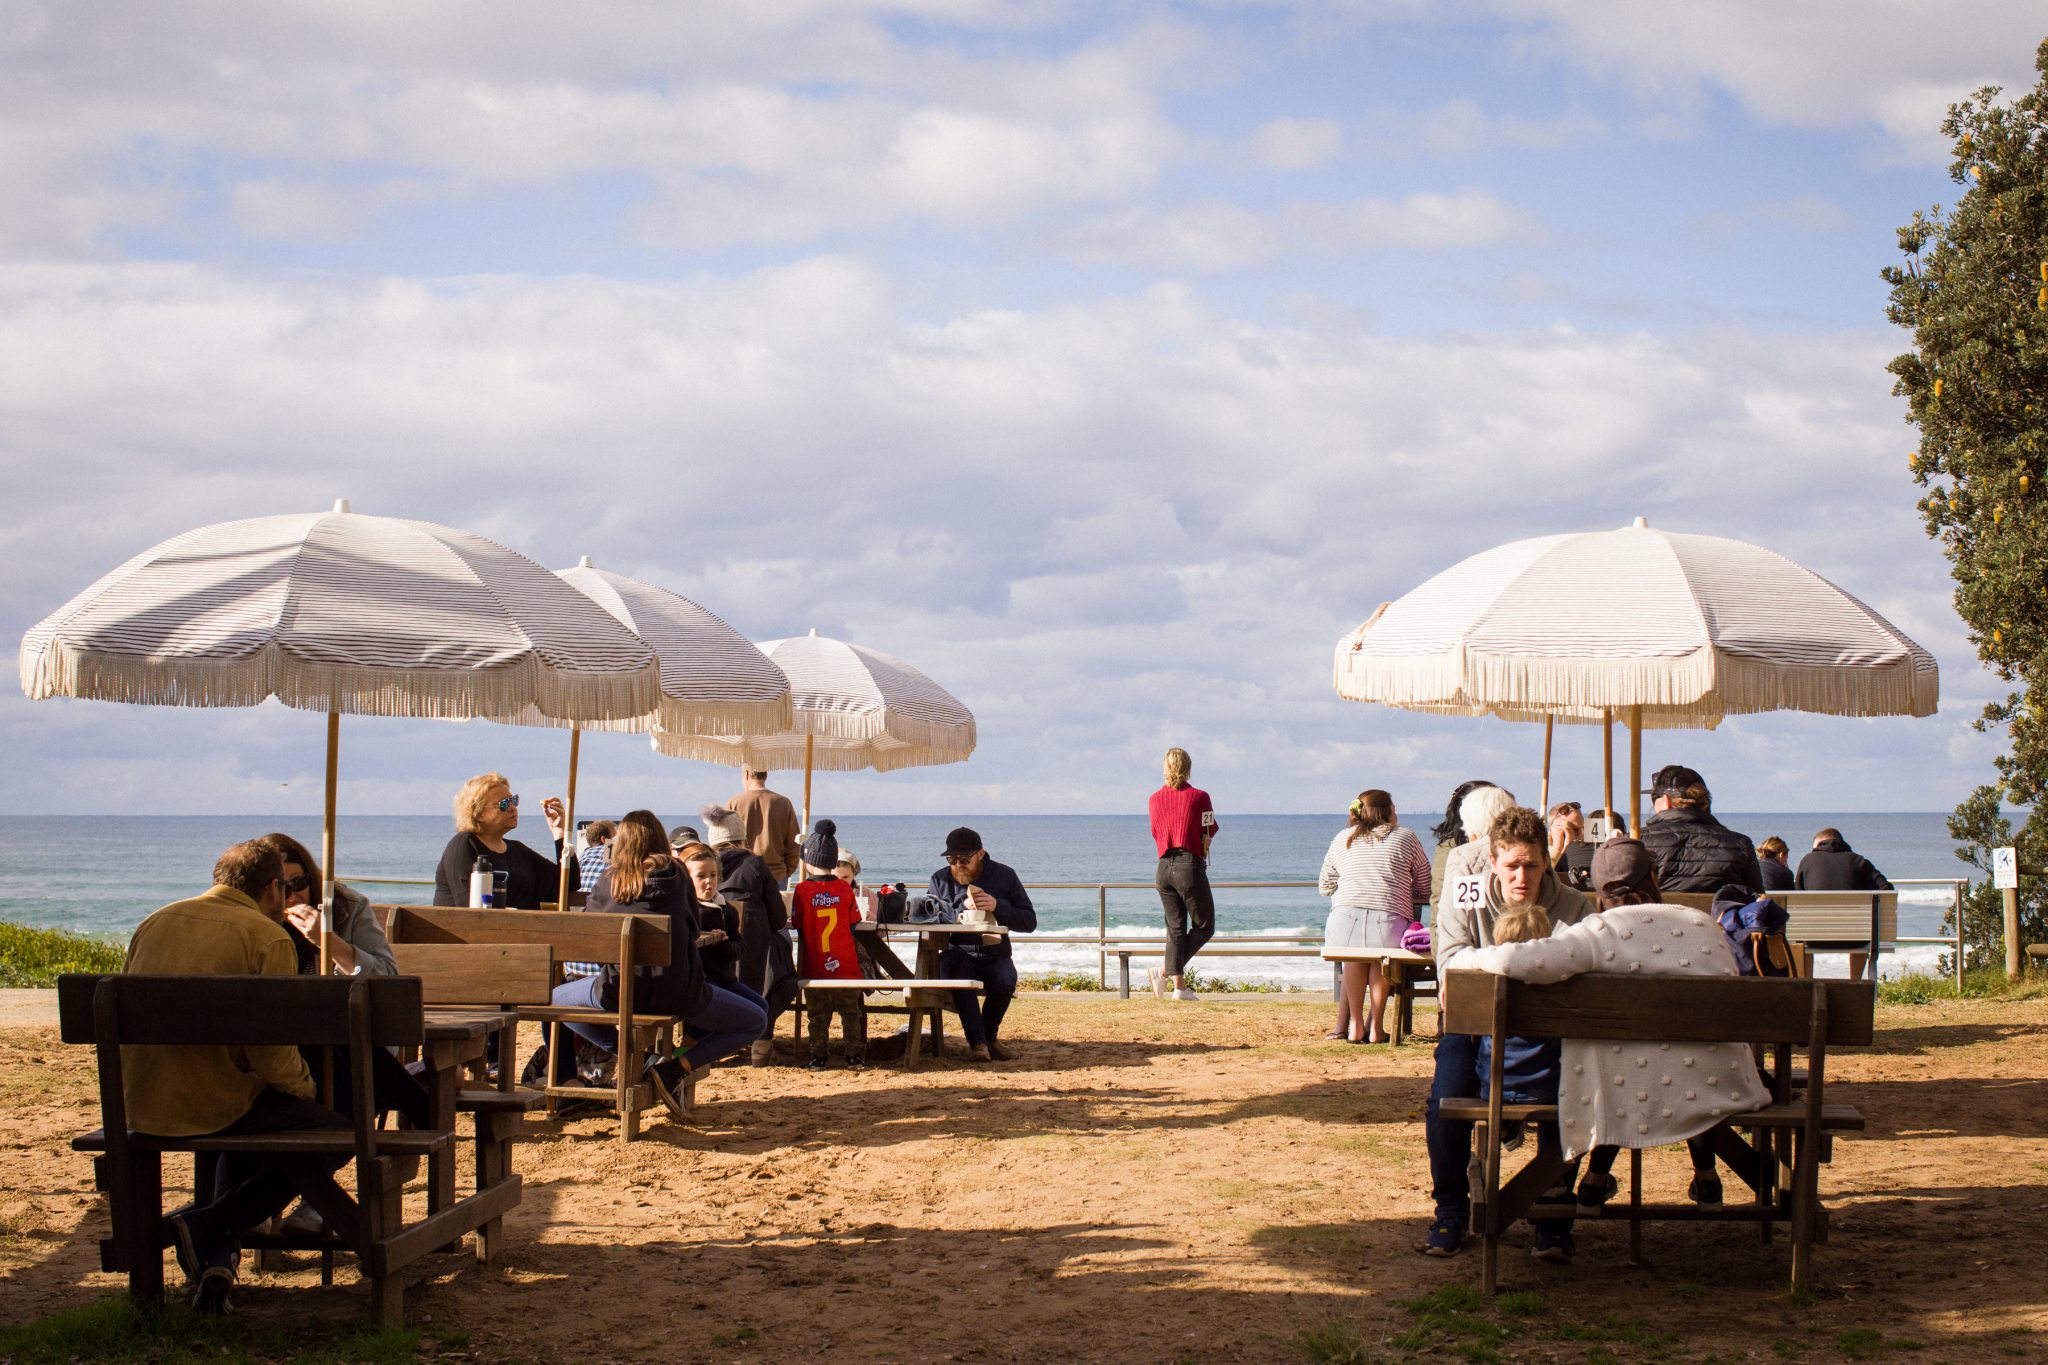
x,y
1973,288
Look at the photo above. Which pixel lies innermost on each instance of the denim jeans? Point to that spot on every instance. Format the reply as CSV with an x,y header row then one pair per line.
x,y
980,1017
1450,1141
732,1018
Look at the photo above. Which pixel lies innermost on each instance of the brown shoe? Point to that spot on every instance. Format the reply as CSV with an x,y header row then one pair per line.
x,y
761,1053
1000,1053
978,1053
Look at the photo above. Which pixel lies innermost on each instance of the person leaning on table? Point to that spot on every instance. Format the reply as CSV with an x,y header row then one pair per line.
x,y
235,929
485,812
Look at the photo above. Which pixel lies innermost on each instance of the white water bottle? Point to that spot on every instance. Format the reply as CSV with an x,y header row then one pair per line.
x,y
480,883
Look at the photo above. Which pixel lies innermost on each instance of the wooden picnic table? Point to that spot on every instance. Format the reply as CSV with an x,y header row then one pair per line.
x,y
1404,971
454,1039
926,1002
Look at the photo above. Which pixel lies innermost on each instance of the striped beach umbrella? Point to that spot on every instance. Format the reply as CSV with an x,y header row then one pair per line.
x,y
1657,628
347,614
713,680
856,709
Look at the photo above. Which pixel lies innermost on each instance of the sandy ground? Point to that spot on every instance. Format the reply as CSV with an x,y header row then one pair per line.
x,y
1147,1182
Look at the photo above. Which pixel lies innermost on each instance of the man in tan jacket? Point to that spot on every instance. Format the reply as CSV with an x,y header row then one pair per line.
x,y
235,929
772,830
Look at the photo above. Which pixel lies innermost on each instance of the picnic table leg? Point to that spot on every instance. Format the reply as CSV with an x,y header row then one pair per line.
x,y
1635,1206
1397,982
914,1018
145,1235
1123,976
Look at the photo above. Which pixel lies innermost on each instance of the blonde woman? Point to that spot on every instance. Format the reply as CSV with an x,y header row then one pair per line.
x,y
485,812
1183,826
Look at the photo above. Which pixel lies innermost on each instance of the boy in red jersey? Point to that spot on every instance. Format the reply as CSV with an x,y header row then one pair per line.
x,y
825,909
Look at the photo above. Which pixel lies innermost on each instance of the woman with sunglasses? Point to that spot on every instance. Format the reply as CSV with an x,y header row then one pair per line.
x,y
485,812
355,941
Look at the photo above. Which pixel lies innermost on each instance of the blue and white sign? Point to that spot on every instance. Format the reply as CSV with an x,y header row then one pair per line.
x,y
2005,869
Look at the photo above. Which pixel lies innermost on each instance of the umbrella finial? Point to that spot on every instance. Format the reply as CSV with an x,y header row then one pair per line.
x,y
583,561
341,504
1642,523
814,632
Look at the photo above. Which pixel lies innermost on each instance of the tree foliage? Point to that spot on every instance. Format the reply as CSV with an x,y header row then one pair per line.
x,y
1973,288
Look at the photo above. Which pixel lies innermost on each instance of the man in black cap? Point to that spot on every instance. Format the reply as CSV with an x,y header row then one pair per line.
x,y
971,880
1694,851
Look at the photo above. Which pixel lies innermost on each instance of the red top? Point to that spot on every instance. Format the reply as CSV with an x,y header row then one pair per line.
x,y
1177,819
825,912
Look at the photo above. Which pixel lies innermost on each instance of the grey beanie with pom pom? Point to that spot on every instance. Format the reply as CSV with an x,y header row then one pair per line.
x,y
821,847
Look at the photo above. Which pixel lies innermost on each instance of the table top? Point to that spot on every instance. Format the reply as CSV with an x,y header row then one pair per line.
x,y
453,1023
872,927
1373,955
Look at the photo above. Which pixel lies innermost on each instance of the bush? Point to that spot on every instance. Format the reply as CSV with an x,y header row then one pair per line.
x,y
37,957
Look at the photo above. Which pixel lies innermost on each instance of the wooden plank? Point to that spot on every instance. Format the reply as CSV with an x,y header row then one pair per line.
x,y
478,973
1663,1008
241,1011
575,935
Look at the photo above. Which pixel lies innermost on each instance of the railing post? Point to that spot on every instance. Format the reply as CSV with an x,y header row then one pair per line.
x,y
1101,934
1955,895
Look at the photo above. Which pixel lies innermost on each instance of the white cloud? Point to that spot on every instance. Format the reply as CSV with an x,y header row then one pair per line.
x,y
1461,128
1217,235
1824,63
1096,522
1296,144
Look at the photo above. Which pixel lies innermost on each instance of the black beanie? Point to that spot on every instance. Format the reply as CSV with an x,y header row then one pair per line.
x,y
821,847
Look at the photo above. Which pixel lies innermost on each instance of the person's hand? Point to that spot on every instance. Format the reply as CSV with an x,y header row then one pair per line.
x,y
305,919
975,898
557,818
709,937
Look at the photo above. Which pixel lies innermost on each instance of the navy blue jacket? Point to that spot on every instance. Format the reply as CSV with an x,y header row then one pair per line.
x,y
1013,911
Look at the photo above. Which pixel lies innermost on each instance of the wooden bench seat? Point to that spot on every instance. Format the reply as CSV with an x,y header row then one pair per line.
x,y
1789,1138
922,997
355,1016
607,939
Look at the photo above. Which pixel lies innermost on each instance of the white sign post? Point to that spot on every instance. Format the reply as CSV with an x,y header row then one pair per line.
x,y
2005,875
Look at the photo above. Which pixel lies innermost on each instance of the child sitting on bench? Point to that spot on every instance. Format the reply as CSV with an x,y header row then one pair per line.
x,y
825,909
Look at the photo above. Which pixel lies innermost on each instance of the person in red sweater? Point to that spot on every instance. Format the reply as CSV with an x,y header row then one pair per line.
x,y
1183,825
825,909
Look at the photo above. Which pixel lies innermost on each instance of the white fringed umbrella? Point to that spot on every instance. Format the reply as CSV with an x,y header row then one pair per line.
x,y
1661,628
346,614
713,680
856,708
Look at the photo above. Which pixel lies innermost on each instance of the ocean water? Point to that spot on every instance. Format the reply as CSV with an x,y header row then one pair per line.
x,y
102,874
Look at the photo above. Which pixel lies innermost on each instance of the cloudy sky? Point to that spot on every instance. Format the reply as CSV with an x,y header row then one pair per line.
x,y
1108,362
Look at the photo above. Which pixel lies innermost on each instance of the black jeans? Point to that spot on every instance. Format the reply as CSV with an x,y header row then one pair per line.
x,y
980,1018
1190,909
248,1189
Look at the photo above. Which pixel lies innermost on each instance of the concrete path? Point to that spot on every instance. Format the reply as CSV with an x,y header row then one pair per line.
x,y
28,1008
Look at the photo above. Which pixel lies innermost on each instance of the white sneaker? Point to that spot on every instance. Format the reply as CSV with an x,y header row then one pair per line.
x,y
1184,994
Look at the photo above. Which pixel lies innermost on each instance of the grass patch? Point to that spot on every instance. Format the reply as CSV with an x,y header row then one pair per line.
x,y
37,957
1451,1319
114,1329
1060,981
1335,1342
1979,983
1520,1303
1647,1341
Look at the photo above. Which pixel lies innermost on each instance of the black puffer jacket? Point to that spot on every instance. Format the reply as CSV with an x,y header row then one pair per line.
x,y
1696,852
679,988
1834,866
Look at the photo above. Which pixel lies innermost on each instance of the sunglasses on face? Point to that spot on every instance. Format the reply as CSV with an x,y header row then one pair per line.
x,y
294,885
508,803
959,859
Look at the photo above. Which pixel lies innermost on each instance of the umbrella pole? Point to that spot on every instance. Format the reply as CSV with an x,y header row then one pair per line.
x,y
1635,771
1548,721
327,837
809,740
568,823
1607,761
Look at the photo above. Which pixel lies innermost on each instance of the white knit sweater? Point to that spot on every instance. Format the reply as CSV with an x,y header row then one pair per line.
x,y
1636,1094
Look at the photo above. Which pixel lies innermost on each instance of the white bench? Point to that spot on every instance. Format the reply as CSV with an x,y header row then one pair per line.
x,y
1237,945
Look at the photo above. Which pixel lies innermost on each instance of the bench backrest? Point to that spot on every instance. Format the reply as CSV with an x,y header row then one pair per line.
x,y
574,935
1676,1009
239,1011
1820,916
478,973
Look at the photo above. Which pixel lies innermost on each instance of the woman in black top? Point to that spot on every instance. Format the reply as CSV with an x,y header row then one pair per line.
x,y
485,812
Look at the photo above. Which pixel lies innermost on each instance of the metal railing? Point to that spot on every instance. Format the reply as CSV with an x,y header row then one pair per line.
x,y
1954,941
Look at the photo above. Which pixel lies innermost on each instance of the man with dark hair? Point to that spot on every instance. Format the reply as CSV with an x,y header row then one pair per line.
x,y
971,880
1694,851
1517,874
1834,866
235,929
